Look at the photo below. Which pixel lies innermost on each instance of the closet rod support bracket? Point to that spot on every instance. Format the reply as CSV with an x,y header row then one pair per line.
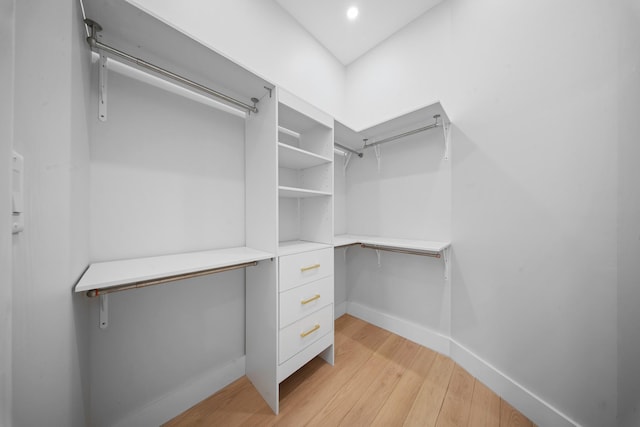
x,y
347,159
446,128
104,311
376,149
94,29
102,89
446,255
255,103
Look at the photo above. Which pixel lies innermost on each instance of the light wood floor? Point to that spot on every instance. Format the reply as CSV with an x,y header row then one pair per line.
x,y
379,379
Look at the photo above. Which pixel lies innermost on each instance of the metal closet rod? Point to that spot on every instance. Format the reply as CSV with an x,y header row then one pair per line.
x,y
95,28
151,282
411,132
342,147
402,251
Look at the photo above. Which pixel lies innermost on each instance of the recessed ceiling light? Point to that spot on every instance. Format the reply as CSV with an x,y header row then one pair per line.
x,y
352,13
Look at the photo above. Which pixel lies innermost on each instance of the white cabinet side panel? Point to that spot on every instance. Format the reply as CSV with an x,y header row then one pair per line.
x,y
262,330
261,177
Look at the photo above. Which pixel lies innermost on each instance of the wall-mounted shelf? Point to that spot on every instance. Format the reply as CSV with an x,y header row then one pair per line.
x,y
405,246
110,275
293,192
416,245
297,158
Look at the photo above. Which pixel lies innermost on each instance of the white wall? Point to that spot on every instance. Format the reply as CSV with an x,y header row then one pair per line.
x,y
531,90
49,347
167,176
407,71
629,216
263,38
7,16
408,197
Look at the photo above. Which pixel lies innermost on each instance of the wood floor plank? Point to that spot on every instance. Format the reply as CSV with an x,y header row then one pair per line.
x,y
397,406
457,402
485,407
353,348
237,396
338,407
510,417
378,379
367,407
426,406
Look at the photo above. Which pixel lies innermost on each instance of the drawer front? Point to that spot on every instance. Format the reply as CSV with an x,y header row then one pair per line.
x,y
303,300
304,332
298,269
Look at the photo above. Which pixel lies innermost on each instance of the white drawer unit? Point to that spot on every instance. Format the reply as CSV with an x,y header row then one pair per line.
x,y
289,302
303,300
305,267
299,335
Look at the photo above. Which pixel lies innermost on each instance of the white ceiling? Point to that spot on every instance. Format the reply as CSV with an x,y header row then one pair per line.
x,y
327,21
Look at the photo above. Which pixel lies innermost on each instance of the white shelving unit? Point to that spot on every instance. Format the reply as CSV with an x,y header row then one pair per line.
x,y
289,206
291,176
305,173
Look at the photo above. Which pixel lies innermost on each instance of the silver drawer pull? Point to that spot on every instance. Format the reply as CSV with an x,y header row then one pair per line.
x,y
313,298
310,331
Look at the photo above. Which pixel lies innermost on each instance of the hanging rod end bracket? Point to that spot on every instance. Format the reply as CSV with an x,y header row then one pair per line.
x,y
93,25
94,29
255,102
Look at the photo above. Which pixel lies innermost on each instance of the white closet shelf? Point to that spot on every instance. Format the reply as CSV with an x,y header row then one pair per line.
x,y
111,274
293,192
291,247
386,242
289,132
296,158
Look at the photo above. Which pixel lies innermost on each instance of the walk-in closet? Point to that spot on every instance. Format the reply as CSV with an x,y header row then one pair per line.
x,y
285,212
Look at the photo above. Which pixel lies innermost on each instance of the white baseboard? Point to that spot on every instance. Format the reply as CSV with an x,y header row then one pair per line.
x,y
340,309
409,330
169,406
536,409
539,411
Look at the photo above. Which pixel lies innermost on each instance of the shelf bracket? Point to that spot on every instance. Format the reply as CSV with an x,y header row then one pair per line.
x,y
446,128
379,258
446,255
102,89
376,149
345,253
104,311
347,159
